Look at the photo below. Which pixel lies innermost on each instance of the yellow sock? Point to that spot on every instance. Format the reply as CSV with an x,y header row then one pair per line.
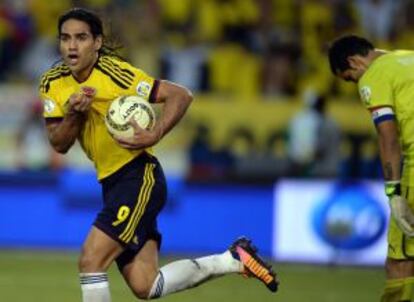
x,y
398,290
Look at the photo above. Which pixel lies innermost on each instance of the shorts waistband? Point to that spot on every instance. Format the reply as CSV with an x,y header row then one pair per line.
x,y
141,159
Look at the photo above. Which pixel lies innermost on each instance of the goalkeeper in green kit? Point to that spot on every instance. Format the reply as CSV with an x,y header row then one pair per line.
x,y
386,86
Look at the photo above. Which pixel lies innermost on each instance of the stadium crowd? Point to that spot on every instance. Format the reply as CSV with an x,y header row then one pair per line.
x,y
274,49
201,43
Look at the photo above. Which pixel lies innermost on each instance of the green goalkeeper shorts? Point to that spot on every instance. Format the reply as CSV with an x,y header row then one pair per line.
x,y
401,246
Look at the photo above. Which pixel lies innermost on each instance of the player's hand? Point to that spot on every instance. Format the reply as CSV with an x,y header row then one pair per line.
x,y
141,139
402,214
81,102
400,210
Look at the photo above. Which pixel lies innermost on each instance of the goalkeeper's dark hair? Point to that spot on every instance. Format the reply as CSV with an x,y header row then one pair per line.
x,y
344,47
95,25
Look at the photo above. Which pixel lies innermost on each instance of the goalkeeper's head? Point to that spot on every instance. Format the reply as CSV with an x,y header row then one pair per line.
x,y
350,56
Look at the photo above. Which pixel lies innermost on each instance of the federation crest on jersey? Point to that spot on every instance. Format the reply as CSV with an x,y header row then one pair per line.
x,y
365,93
49,105
143,89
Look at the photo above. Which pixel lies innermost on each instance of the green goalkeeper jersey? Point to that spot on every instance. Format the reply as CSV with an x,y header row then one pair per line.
x,y
387,91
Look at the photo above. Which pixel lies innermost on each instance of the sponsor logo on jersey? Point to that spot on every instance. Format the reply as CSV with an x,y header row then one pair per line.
x,y
144,89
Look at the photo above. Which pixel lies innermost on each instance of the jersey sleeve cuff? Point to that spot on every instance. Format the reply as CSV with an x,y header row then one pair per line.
x,y
53,119
154,91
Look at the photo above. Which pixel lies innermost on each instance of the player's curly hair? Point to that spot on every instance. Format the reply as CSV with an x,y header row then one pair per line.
x,y
96,27
344,47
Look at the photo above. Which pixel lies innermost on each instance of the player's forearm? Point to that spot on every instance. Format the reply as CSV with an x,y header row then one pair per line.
x,y
390,153
64,135
174,109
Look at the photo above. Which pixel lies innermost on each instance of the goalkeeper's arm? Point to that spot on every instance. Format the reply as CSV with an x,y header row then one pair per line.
x,y
390,150
390,153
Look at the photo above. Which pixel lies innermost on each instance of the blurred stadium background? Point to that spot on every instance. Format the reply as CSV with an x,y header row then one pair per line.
x,y
273,146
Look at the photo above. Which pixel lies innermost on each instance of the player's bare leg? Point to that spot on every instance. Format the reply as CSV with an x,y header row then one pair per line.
x,y
141,273
98,252
147,282
400,281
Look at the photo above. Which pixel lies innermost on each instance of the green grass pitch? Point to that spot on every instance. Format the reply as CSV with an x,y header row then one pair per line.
x,y
46,276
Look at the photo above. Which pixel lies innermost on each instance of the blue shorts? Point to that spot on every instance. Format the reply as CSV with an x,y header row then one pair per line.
x,y
133,197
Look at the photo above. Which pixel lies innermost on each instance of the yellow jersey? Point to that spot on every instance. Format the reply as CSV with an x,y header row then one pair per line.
x,y
387,90
111,77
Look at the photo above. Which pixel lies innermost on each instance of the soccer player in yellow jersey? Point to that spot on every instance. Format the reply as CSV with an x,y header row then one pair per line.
x,y
76,94
386,85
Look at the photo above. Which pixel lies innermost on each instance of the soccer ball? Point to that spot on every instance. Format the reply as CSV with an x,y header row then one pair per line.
x,y
122,109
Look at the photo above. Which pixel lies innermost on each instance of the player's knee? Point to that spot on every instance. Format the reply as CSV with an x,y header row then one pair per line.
x,y
89,262
86,264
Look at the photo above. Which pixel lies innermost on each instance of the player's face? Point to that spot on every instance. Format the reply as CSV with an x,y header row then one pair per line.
x,y
78,47
357,66
350,75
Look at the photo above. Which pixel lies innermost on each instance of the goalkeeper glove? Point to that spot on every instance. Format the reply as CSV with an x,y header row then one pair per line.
x,y
400,210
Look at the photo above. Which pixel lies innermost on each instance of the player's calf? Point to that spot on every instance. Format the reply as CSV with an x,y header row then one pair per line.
x,y
140,281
